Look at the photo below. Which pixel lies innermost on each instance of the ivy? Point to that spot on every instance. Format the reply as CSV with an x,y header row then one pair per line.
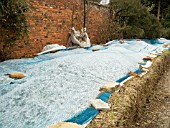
x,y
13,20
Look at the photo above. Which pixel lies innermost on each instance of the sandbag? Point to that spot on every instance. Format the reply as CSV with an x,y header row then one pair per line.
x,y
16,75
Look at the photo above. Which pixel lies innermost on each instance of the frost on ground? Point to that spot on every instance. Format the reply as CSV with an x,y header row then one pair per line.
x,y
59,85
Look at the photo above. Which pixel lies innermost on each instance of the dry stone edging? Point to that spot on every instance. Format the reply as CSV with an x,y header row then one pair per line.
x,y
110,87
98,104
65,125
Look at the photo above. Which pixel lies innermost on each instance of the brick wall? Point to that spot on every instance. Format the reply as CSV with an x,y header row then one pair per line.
x,y
50,22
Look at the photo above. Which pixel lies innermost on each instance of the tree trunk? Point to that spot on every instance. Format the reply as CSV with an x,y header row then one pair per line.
x,y
159,7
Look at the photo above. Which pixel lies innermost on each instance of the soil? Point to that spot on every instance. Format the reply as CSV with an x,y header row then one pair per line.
x,y
156,112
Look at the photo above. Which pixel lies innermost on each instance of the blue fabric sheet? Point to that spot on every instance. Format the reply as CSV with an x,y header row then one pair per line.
x,y
88,114
84,116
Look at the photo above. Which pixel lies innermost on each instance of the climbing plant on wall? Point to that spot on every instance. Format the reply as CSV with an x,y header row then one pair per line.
x,y
13,20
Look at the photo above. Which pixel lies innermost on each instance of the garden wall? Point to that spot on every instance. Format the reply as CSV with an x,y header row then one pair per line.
x,y
50,22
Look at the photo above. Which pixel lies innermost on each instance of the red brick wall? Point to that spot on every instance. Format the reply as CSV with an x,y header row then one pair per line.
x,y
50,22
98,23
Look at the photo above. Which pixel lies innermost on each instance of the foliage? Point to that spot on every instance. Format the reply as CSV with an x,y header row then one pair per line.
x,y
12,19
166,22
164,13
150,4
135,20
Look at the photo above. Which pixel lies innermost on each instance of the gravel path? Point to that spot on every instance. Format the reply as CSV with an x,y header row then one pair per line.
x,y
156,112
